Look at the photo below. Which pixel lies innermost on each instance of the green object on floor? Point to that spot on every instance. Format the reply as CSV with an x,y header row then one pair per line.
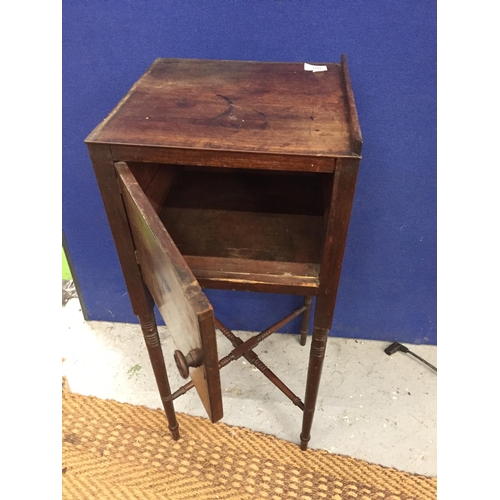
x,y
66,273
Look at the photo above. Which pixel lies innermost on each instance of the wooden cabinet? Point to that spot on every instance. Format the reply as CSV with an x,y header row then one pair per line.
x,y
234,175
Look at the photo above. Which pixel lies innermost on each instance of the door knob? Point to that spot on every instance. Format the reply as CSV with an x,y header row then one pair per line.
x,y
193,359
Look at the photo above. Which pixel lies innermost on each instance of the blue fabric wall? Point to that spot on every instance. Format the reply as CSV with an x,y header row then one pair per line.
x,y
388,284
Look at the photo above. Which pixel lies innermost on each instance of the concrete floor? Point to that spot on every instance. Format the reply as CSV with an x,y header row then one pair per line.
x,y
371,406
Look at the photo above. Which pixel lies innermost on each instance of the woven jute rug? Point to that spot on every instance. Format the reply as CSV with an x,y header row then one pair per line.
x,y
118,451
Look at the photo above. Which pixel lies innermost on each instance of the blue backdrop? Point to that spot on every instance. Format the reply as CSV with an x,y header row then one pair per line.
x,y
388,284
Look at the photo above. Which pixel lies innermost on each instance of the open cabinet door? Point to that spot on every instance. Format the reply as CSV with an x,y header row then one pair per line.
x,y
184,307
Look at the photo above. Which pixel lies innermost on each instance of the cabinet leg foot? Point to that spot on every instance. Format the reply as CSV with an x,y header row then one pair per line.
x,y
317,355
304,442
152,339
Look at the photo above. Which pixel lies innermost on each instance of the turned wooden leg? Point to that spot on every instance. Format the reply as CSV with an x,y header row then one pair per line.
x,y
340,191
316,357
305,320
150,331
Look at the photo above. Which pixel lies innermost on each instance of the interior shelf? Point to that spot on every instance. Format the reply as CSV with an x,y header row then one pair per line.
x,y
248,230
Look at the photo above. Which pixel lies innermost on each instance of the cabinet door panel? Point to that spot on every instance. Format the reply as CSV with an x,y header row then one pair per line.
x,y
184,307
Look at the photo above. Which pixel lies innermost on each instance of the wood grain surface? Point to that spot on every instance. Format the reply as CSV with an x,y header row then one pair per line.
x,y
234,106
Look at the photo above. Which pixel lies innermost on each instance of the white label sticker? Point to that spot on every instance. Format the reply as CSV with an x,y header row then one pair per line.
x,y
313,68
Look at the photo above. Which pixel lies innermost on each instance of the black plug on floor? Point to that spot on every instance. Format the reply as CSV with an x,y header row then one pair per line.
x,y
396,346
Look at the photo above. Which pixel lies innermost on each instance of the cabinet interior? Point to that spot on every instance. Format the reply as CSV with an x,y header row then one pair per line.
x,y
240,221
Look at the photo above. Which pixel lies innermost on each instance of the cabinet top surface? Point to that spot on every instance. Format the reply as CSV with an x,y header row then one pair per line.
x,y
253,107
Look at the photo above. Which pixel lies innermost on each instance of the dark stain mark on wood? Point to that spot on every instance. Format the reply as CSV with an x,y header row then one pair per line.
x,y
236,117
229,108
227,99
